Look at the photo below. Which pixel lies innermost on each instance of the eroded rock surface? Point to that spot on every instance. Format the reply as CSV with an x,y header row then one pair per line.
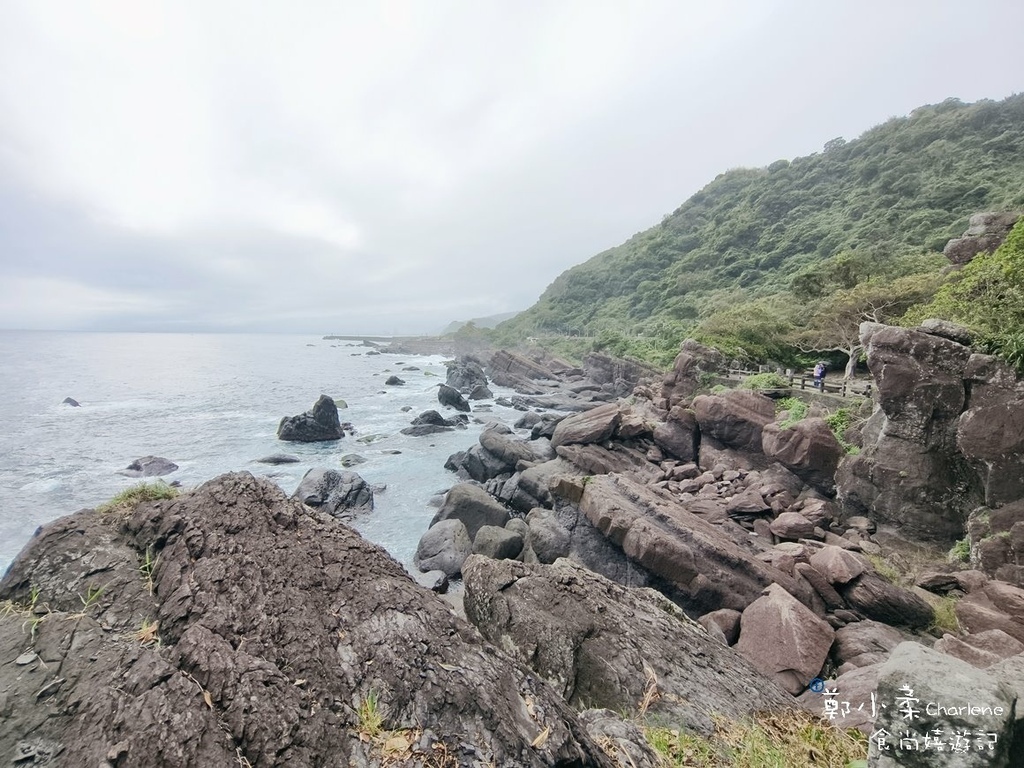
x,y
608,645
275,623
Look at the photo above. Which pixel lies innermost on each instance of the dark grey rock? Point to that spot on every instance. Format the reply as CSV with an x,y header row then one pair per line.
x,y
340,493
319,424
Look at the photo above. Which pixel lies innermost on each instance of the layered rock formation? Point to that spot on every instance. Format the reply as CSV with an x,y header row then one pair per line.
x,y
256,634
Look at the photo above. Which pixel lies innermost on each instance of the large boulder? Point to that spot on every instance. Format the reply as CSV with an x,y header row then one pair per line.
x,y
498,543
932,695
878,599
444,547
863,643
549,539
611,646
498,440
473,506
996,605
465,374
320,423
340,493
615,374
808,448
268,628
992,440
735,418
509,369
593,426
149,466
783,639
452,398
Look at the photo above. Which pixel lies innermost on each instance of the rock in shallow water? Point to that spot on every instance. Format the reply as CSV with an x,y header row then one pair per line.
x,y
320,423
149,466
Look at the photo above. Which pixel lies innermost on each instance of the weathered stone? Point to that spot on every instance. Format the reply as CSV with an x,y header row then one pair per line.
x,y
444,547
149,466
284,620
992,439
825,591
726,621
995,605
473,506
679,435
694,363
736,418
591,426
549,538
932,676
394,381
607,645
838,565
452,398
708,570
465,374
783,639
340,493
749,502
279,458
319,424
624,740
982,649
498,543
985,233
863,643
792,526
808,448
876,598
480,392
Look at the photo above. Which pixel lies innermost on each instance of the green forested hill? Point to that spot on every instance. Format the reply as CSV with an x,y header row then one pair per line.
x,y
753,260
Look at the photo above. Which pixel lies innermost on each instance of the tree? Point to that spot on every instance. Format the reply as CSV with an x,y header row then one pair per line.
x,y
835,324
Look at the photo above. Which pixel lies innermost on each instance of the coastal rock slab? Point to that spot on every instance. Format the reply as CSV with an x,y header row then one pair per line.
x,y
877,599
497,543
679,435
275,623
735,418
807,448
320,423
783,639
863,643
601,643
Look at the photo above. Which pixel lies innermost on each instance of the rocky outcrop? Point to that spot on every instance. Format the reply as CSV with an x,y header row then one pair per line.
x,y
679,436
985,232
473,506
465,374
320,423
452,398
508,369
610,646
149,466
279,458
394,381
70,401
339,493
616,375
910,473
432,422
692,366
444,547
275,624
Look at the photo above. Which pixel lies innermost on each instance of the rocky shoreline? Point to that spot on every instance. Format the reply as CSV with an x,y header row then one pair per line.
x,y
631,539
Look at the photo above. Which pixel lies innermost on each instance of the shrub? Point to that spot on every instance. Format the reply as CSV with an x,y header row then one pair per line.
x,y
794,407
762,381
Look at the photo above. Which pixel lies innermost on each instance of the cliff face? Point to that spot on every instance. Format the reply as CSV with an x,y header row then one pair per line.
x,y
946,437
234,626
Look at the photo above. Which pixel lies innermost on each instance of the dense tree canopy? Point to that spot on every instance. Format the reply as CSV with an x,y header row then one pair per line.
x,y
762,259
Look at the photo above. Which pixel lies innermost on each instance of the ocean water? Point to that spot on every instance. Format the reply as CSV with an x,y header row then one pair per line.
x,y
210,403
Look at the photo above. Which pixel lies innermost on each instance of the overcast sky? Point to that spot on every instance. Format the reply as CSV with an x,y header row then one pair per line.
x,y
374,167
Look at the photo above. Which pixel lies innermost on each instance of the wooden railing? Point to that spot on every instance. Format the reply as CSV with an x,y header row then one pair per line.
x,y
805,381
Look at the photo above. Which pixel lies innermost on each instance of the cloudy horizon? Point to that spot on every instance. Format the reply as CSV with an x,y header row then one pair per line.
x,y
388,168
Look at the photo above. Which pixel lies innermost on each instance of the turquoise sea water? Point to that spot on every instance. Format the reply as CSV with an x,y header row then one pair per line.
x,y
211,403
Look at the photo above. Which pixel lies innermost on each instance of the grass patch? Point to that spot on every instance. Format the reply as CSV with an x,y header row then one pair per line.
x,y
370,715
789,739
945,615
795,409
131,497
885,569
961,551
